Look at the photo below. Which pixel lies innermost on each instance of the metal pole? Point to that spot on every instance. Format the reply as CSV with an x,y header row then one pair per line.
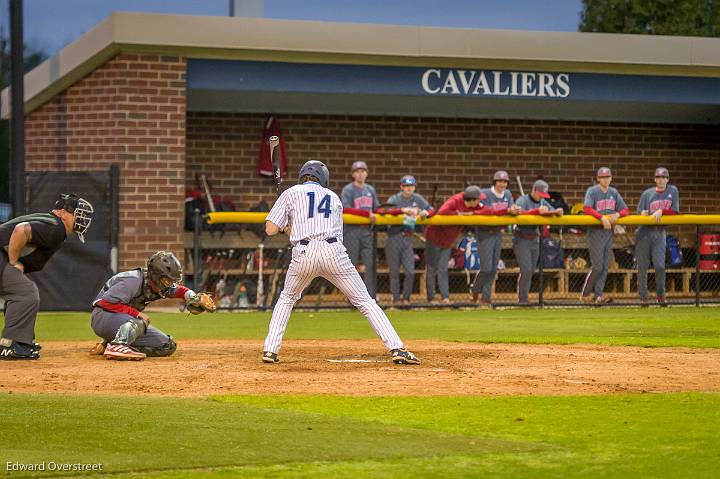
x,y
541,285
373,266
17,119
114,217
196,249
697,265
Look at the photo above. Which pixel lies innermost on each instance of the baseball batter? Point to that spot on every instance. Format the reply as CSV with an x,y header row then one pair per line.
x,y
651,241
360,198
604,203
398,246
525,238
117,315
26,244
313,215
489,238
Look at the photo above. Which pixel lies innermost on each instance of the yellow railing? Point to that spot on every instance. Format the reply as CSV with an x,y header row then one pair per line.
x,y
478,220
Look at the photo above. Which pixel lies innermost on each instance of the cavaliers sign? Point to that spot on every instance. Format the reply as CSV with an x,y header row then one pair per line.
x,y
495,83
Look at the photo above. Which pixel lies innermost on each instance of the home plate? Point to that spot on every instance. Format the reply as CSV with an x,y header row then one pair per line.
x,y
355,361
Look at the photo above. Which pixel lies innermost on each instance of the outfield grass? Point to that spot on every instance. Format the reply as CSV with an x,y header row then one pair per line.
x,y
681,326
669,435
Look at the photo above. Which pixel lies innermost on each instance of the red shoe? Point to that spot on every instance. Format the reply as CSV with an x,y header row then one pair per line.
x,y
474,297
661,301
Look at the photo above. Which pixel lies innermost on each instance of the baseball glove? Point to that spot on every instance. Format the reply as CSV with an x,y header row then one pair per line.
x,y
200,303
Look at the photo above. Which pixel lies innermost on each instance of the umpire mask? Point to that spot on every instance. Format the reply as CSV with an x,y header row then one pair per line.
x,y
81,210
164,271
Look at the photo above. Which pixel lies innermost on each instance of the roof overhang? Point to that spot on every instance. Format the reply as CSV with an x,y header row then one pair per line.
x,y
290,41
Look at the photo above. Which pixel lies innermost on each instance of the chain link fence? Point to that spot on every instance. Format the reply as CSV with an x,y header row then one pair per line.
x,y
230,267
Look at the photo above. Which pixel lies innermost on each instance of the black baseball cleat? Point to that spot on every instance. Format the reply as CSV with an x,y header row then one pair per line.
x,y
269,357
11,350
403,356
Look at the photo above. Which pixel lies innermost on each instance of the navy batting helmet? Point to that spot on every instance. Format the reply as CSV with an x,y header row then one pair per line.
x,y
501,175
318,170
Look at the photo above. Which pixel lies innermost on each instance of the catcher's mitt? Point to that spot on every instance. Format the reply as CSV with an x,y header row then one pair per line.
x,y
200,303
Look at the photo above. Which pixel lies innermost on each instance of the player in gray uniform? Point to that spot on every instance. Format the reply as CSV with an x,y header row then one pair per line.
x,y
651,241
26,244
117,315
358,197
603,202
525,238
489,238
313,216
398,246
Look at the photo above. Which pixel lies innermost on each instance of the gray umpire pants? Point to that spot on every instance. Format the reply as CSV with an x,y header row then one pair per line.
x,y
399,251
358,241
489,248
527,252
22,302
106,324
650,244
436,261
599,242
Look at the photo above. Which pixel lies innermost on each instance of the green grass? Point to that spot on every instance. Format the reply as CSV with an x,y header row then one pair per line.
x,y
681,326
669,435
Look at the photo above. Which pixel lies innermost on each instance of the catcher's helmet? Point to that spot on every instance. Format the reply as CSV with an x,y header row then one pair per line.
x,y
318,170
501,175
164,271
81,210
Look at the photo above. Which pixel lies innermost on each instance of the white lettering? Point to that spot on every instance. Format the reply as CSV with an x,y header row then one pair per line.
x,y
476,82
545,82
450,83
513,83
562,84
497,76
482,84
464,81
528,89
426,81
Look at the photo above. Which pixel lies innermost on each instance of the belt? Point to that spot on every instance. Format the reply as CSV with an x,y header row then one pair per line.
x,y
307,242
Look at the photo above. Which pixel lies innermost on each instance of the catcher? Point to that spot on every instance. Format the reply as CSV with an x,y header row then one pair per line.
x,y
117,315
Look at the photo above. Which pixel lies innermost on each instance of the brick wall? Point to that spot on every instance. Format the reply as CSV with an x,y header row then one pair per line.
x,y
446,152
130,111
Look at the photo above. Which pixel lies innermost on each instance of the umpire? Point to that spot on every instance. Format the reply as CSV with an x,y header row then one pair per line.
x,y
28,242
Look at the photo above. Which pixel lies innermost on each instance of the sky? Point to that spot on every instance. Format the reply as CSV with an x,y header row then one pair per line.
x,y
51,24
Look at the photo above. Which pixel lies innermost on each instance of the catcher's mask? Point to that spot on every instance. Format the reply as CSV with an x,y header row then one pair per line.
x,y
81,210
164,271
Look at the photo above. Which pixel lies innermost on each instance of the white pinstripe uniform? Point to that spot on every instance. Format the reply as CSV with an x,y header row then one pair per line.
x,y
315,216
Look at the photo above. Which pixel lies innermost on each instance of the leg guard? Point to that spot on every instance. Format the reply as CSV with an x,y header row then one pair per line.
x,y
165,350
130,331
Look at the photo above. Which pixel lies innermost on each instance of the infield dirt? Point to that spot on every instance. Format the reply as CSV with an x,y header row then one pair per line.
x,y
363,368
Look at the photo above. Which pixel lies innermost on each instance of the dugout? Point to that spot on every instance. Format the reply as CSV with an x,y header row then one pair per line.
x,y
168,97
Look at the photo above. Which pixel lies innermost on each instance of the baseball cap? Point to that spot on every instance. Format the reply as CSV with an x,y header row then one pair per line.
x,y
408,180
604,171
359,165
662,172
472,192
542,188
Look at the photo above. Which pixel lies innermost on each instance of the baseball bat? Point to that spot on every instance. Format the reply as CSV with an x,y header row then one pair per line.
x,y
206,187
522,192
274,143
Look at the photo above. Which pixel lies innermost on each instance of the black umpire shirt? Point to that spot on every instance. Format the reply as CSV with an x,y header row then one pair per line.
x,y
48,234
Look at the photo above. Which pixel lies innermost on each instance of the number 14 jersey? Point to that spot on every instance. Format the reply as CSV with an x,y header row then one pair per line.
x,y
312,211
